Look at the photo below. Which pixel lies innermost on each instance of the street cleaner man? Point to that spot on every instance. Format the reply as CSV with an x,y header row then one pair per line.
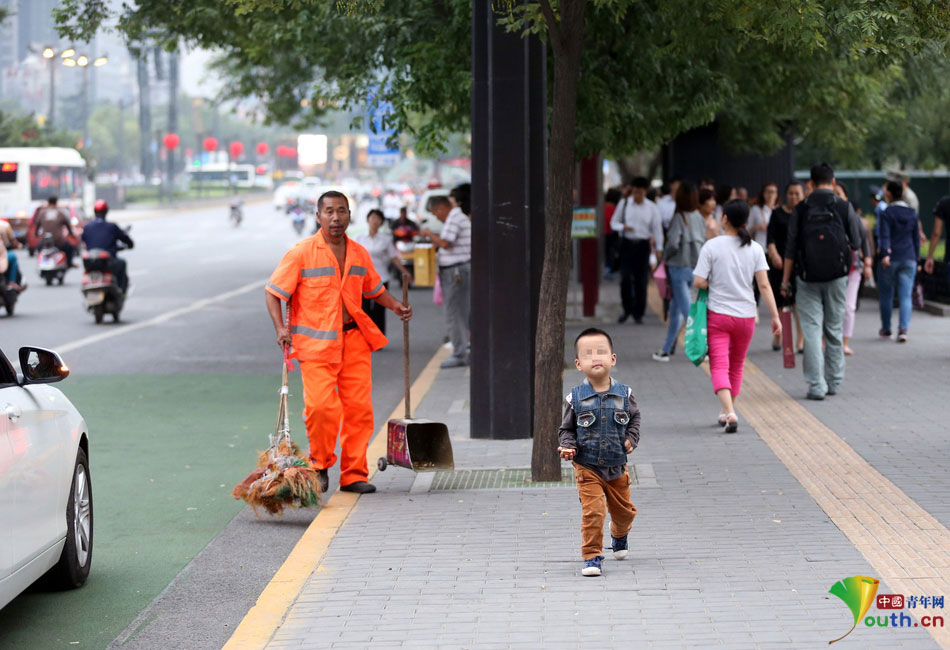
x,y
323,280
601,426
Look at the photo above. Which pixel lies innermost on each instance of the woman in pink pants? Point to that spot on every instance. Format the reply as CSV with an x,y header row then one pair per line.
x,y
727,266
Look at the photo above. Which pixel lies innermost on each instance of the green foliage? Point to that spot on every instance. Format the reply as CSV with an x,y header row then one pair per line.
x,y
24,131
826,68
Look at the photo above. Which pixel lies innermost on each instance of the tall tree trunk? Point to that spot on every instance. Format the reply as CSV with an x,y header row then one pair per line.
x,y
566,37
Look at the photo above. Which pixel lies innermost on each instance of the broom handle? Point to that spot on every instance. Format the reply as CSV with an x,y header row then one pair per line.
x,y
405,343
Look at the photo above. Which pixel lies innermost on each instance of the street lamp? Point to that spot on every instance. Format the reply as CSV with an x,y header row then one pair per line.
x,y
83,62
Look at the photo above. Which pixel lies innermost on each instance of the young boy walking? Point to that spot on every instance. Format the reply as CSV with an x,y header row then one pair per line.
x,y
601,426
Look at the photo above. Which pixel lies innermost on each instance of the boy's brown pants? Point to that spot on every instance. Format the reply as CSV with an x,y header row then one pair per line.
x,y
597,498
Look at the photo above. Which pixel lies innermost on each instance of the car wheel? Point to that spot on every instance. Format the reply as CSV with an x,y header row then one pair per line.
x,y
73,567
98,312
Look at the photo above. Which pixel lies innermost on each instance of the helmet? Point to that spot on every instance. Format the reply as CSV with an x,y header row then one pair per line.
x,y
100,208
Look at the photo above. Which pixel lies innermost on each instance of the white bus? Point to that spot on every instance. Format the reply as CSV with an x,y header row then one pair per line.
x,y
222,175
30,175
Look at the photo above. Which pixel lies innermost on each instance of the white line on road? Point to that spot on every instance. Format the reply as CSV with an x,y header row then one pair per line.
x,y
161,318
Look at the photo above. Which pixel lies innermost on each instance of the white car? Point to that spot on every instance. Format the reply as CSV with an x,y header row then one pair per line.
x,y
45,486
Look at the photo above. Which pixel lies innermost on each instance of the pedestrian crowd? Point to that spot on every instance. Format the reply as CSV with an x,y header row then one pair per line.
x,y
805,249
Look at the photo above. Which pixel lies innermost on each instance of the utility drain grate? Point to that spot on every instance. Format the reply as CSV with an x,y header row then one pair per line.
x,y
497,479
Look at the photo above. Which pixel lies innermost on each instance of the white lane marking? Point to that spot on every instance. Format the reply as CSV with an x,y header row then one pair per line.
x,y
161,318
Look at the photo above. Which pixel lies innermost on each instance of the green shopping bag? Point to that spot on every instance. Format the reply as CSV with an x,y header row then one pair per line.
x,y
695,344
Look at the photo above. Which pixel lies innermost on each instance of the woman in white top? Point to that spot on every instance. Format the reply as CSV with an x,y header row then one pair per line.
x,y
727,267
382,251
761,212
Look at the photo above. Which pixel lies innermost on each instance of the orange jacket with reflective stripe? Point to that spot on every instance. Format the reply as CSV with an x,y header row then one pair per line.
x,y
309,277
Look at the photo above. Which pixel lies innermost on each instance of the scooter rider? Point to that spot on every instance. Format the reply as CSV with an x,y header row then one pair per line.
x,y
106,235
52,220
7,243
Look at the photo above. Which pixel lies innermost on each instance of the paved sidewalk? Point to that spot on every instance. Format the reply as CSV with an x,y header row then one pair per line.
x,y
728,550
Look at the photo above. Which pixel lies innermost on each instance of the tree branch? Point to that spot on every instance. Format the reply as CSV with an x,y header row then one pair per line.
x,y
554,32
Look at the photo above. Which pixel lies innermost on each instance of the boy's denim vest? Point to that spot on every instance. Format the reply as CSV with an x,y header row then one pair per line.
x,y
601,424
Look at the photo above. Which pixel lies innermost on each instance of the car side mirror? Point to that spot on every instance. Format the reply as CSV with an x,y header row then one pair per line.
x,y
41,366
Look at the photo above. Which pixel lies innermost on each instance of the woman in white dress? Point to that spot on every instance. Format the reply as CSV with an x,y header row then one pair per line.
x,y
382,251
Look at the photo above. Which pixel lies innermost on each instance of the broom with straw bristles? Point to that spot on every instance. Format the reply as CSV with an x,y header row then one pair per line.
x,y
283,477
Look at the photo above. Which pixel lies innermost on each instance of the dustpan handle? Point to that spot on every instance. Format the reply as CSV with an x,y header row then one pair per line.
x,y
405,343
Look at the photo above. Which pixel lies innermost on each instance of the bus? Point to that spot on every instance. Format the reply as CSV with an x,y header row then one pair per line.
x,y
222,175
30,175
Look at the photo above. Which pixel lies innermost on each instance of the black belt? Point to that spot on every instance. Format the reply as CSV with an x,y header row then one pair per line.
x,y
452,266
350,326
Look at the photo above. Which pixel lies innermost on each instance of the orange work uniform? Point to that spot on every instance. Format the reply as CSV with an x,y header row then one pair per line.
x,y
335,362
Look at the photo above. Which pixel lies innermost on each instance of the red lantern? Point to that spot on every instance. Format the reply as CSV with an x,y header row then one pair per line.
x,y
236,148
261,170
171,140
281,150
262,148
291,152
210,144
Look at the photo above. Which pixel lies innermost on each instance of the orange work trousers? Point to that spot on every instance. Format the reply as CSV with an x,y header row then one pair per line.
x,y
338,399
597,498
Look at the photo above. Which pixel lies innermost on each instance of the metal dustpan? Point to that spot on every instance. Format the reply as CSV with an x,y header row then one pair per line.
x,y
414,443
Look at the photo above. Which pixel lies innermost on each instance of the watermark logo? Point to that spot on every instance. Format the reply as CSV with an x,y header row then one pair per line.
x,y
858,594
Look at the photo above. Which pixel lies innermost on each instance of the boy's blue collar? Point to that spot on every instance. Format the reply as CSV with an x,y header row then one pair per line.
x,y
614,389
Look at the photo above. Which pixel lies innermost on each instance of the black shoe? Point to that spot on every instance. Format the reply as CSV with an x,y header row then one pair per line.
x,y
323,477
815,396
360,487
623,318
776,348
638,321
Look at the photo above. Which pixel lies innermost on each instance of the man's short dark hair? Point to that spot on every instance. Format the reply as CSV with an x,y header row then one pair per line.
x,y
593,331
640,182
52,200
896,188
332,194
822,174
437,200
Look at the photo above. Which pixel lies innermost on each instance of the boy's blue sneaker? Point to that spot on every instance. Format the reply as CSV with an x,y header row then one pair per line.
x,y
619,547
592,567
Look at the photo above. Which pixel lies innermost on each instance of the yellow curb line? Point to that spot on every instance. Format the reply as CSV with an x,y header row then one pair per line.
x,y
905,544
265,617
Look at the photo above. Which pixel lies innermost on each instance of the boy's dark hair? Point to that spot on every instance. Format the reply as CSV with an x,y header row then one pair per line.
x,y
52,200
613,196
593,331
896,188
332,194
640,182
822,174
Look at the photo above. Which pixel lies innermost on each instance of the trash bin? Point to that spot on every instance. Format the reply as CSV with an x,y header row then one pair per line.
x,y
423,265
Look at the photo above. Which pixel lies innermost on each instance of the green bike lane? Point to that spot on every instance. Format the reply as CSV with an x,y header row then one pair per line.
x,y
166,450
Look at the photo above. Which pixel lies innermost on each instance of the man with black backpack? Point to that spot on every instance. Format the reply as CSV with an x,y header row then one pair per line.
x,y
822,235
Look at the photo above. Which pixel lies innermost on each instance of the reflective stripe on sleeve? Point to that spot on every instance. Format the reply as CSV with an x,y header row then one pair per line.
x,y
312,333
374,292
278,290
357,270
317,272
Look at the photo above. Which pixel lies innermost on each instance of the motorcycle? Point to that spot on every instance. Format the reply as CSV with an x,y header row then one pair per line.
x,y
299,220
236,214
51,261
8,295
100,287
